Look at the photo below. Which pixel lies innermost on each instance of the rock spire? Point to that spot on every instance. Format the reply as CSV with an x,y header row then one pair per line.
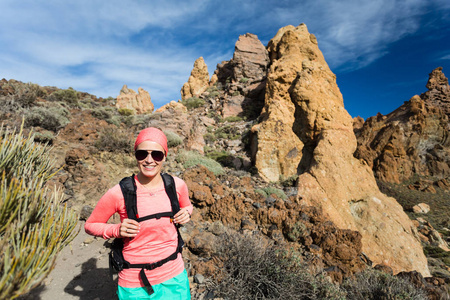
x,y
306,131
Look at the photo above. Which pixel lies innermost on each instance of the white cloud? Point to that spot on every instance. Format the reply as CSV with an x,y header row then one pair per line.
x,y
99,46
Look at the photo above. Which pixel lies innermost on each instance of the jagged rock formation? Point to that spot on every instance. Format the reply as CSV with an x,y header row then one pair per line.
x,y
198,82
140,102
438,92
413,139
244,77
305,130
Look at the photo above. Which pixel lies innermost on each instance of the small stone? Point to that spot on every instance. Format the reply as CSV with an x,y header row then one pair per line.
x,y
199,278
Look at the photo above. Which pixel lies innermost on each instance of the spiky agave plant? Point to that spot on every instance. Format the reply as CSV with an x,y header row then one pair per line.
x,y
34,225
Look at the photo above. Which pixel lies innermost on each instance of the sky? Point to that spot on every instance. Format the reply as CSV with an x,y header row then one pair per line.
x,y
380,50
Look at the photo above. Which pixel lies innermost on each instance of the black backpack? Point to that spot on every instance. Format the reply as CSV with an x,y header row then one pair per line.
x,y
116,260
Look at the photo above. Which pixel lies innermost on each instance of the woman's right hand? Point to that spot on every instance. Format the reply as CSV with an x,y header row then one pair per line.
x,y
129,228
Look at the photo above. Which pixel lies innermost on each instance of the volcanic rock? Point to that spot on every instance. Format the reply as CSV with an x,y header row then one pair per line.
x,y
198,82
413,139
140,102
250,58
176,106
305,130
244,76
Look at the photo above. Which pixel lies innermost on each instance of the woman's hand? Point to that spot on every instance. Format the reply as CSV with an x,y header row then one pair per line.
x,y
182,217
129,228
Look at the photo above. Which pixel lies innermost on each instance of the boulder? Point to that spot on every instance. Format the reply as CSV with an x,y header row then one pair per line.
x,y
421,208
139,102
198,82
306,130
175,106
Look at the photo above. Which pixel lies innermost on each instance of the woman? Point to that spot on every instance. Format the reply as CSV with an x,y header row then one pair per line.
x,y
151,240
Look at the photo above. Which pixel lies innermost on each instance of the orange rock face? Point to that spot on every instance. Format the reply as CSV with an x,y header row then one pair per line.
x,y
306,130
140,102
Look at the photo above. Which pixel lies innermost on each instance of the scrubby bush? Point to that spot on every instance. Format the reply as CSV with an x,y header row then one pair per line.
x,y
173,139
51,118
272,190
113,139
102,113
125,111
193,158
261,192
227,132
34,226
250,267
193,102
69,96
45,137
222,157
372,284
24,95
233,119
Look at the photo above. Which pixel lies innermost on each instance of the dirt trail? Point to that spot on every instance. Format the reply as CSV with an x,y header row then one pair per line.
x,y
81,273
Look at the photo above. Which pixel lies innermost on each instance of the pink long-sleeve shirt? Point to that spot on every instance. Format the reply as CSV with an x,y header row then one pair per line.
x,y
157,238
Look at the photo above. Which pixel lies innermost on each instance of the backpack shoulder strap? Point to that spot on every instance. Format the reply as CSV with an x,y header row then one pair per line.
x,y
171,190
128,187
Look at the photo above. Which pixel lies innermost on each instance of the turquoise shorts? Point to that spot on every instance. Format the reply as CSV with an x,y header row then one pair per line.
x,y
176,288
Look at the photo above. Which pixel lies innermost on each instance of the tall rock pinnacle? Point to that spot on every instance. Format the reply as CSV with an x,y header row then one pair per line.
x,y
198,82
306,131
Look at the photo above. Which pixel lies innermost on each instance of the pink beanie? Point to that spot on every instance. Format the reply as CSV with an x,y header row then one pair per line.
x,y
154,135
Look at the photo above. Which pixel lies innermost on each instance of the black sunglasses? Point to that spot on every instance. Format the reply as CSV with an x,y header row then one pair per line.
x,y
142,154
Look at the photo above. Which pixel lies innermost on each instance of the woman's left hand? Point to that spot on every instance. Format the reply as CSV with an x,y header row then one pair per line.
x,y
182,217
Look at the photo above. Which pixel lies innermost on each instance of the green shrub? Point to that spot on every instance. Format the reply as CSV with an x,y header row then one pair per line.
x,y
209,137
114,140
69,96
45,137
227,132
193,158
102,113
373,285
249,267
126,112
173,139
114,120
297,231
223,157
51,118
272,190
261,192
244,80
24,95
193,102
34,226
233,119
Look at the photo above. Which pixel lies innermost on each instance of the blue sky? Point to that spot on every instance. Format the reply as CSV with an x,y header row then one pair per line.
x,y
380,50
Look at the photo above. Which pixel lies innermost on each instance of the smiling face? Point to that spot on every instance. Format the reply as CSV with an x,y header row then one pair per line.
x,y
148,167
